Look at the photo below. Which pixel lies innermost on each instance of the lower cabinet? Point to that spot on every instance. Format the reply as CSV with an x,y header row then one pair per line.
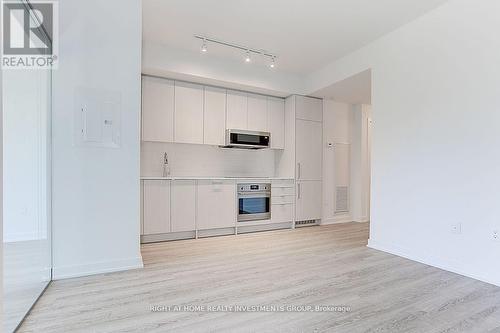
x,y
156,206
309,200
281,212
178,208
183,205
282,201
216,204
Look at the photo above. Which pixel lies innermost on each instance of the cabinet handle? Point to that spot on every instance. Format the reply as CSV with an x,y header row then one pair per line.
x,y
298,191
298,170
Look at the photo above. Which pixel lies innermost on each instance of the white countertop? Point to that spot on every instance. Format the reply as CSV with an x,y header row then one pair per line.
x,y
214,178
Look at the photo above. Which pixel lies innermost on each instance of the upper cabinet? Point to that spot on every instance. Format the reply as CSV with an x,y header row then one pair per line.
x,y
214,122
237,110
257,113
157,109
309,108
188,117
181,112
276,121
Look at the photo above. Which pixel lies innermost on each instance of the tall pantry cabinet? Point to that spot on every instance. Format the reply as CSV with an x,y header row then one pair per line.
x,y
308,157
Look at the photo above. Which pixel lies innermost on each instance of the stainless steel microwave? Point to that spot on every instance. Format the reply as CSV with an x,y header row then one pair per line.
x,y
247,139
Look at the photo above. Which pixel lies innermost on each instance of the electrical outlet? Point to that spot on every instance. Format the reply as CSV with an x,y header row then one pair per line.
x,y
456,228
495,236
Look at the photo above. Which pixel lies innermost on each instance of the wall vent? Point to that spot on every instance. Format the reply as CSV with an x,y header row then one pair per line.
x,y
306,223
342,199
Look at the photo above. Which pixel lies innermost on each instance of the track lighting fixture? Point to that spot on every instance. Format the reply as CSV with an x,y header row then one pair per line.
x,y
248,50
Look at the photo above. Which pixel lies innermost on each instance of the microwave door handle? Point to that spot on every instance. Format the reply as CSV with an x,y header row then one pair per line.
x,y
298,170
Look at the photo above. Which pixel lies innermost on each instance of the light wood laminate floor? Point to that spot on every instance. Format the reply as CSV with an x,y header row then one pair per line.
x,y
327,265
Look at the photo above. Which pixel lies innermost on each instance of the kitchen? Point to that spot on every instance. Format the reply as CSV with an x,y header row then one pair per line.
x,y
218,161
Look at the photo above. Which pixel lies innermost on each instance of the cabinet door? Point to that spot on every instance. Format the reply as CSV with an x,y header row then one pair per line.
x,y
215,116
276,115
236,117
309,199
257,113
183,205
142,206
309,108
216,204
156,206
309,144
157,109
282,212
188,113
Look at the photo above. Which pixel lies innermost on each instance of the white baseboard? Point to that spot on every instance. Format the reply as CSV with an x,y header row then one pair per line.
x,y
431,260
64,272
335,220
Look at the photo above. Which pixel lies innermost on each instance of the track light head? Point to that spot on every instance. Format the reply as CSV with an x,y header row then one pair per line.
x,y
272,64
247,57
204,46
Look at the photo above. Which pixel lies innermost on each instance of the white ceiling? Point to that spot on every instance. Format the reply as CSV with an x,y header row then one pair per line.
x,y
354,90
306,35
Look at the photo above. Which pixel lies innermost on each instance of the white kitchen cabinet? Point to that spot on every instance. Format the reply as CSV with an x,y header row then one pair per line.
x,y
214,116
308,108
157,109
216,204
308,205
188,117
156,206
237,110
257,113
308,148
283,199
142,206
276,122
183,205
282,212
282,191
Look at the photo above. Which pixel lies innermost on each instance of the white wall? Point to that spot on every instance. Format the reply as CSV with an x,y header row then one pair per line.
x,y
187,160
337,124
435,136
96,190
360,164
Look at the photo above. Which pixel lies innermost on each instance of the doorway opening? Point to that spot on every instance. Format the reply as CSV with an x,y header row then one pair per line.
x,y
347,132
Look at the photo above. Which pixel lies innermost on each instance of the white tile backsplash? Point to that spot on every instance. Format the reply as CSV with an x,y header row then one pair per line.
x,y
188,160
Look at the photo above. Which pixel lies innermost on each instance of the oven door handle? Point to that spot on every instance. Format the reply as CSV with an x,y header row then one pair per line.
x,y
254,195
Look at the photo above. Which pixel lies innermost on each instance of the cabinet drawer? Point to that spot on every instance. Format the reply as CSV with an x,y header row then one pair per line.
x,y
280,191
282,183
283,199
281,213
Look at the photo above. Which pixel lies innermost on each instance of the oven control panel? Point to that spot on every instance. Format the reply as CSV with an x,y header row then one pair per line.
x,y
254,187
